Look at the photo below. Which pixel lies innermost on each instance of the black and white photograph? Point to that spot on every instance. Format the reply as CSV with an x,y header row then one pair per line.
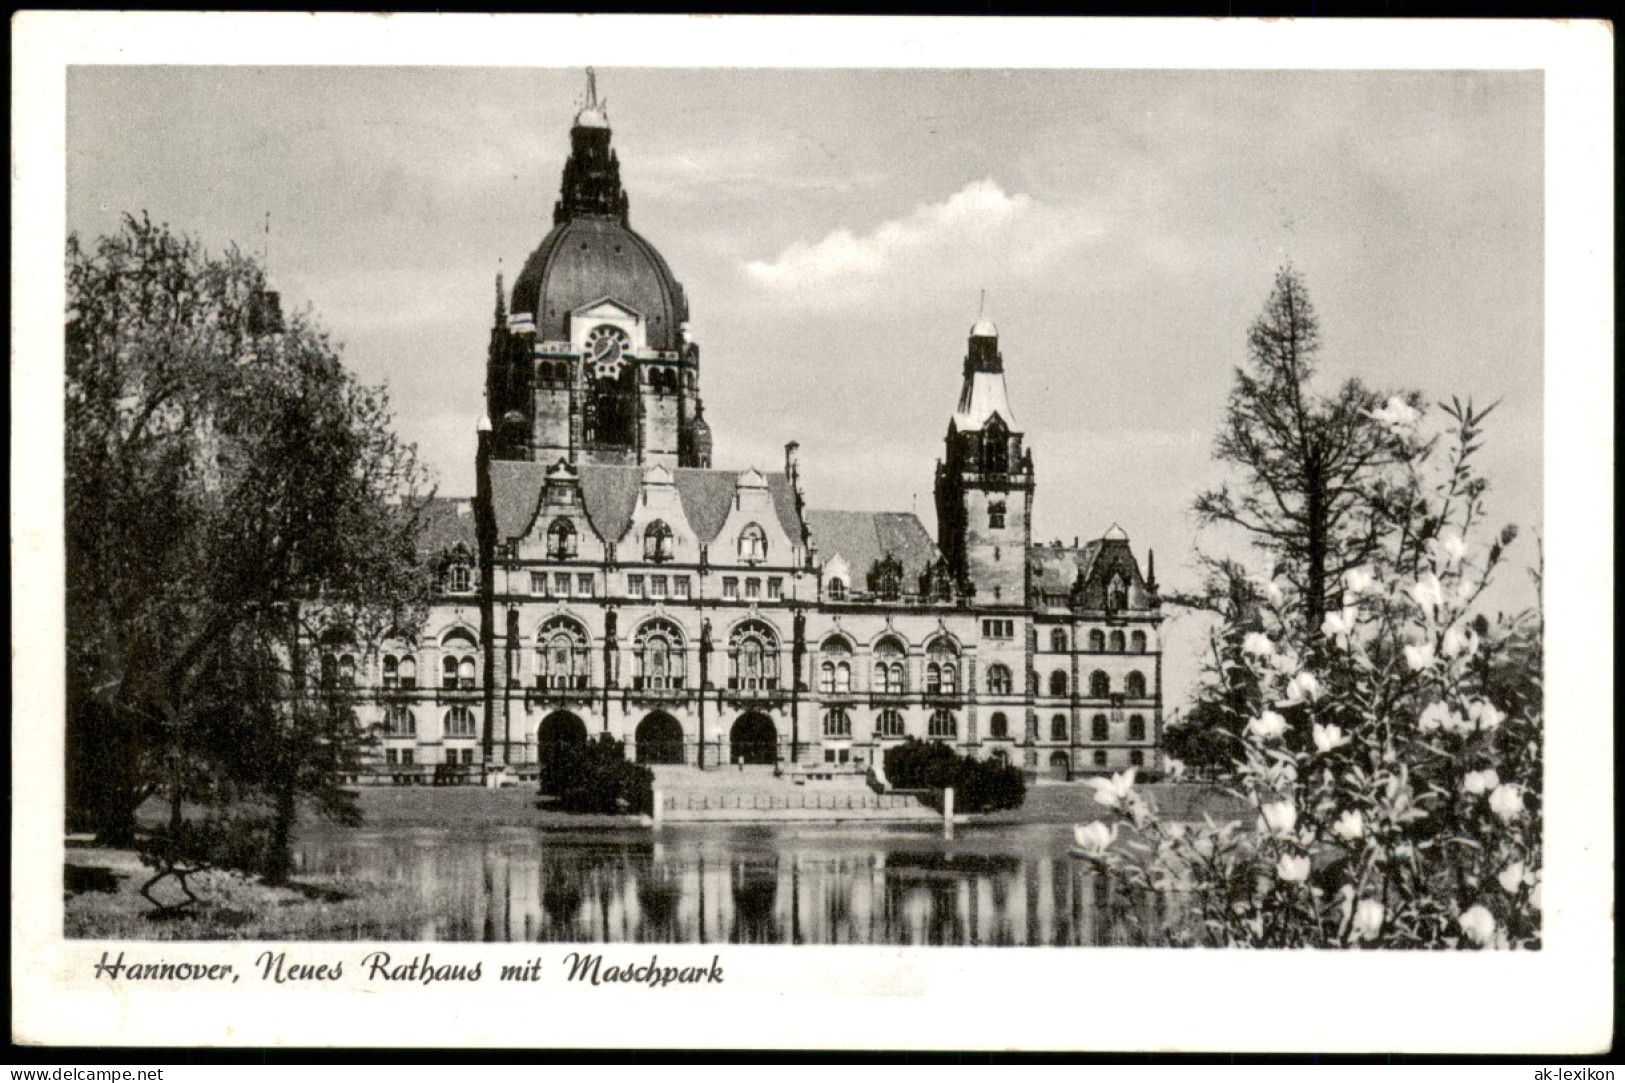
x,y
578,524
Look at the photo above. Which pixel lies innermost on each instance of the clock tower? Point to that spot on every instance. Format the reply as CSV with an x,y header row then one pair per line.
x,y
984,485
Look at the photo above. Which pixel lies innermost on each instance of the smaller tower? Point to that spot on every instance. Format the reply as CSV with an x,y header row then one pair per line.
x,y
984,485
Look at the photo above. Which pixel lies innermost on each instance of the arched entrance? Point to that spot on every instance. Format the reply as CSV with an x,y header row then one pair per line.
x,y
559,741
754,739
1060,765
660,739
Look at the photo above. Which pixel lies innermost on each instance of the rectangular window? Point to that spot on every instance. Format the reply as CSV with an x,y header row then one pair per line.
x,y
775,588
657,586
730,587
681,583
538,582
468,755
561,584
391,757
406,757
634,585
998,628
584,585
753,588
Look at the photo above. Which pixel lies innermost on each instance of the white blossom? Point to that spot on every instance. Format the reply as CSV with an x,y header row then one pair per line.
x,y
1479,925
1329,738
1267,726
1507,801
1485,715
1302,688
1279,817
1094,838
1511,877
1350,826
1257,643
1367,920
1358,580
1397,414
1340,623
1419,655
1293,868
1428,592
1477,782
1435,716
1111,791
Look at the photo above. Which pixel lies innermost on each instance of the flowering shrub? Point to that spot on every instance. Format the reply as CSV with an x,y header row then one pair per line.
x,y
1393,755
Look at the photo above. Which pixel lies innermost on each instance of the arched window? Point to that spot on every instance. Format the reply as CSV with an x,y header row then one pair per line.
x,y
1058,728
657,655
753,651
1100,685
1057,683
943,725
657,541
1118,645
459,722
995,515
1134,686
561,540
398,722
837,723
752,543
1057,641
1136,728
400,671
457,660
1137,640
836,590
942,667
998,680
995,451
835,669
998,725
459,578
1097,640
889,668
1117,593
889,723
1098,729
562,654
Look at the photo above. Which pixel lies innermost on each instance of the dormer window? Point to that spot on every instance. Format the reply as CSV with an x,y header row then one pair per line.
x,y
995,515
561,540
459,578
836,590
1117,593
657,542
752,543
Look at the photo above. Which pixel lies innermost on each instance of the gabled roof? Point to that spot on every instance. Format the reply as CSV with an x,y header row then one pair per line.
x,y
609,494
447,521
1055,567
863,537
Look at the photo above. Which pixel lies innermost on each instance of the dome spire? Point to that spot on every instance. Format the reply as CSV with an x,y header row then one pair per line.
x,y
592,175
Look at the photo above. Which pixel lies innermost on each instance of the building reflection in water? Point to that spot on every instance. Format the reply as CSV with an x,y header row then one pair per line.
x,y
756,885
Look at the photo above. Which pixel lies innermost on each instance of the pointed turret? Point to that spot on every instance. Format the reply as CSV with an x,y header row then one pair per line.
x,y
592,175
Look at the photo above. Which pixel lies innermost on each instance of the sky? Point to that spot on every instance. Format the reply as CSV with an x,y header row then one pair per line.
x,y
835,230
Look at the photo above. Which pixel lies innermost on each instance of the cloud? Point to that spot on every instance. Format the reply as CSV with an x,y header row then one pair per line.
x,y
941,243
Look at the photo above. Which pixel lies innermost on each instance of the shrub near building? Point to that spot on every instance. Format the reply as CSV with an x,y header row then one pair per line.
x,y
979,785
595,776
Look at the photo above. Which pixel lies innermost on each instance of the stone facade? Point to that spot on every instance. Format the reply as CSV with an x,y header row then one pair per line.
x,y
606,579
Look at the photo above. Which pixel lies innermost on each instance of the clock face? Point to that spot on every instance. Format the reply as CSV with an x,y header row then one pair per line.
x,y
605,345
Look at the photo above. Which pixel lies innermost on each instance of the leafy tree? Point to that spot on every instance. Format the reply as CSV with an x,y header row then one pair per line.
x,y
231,493
979,785
595,776
1310,487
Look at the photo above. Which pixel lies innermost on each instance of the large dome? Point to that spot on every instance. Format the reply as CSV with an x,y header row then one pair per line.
x,y
592,252
590,257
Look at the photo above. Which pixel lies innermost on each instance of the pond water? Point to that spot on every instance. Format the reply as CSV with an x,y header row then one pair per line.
x,y
741,884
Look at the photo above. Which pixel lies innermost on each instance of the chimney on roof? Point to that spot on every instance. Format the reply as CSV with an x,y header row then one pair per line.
x,y
1075,542
791,457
